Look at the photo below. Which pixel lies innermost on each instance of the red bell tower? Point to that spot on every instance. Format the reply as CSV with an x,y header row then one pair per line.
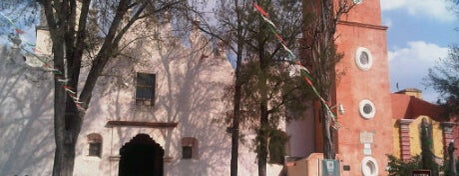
x,y
363,90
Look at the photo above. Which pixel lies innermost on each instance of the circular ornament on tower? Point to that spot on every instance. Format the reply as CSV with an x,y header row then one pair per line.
x,y
363,58
367,109
369,166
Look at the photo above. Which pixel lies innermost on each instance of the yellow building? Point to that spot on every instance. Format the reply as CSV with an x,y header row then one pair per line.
x,y
409,114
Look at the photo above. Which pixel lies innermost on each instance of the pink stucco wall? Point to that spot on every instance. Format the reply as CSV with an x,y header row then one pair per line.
x,y
362,28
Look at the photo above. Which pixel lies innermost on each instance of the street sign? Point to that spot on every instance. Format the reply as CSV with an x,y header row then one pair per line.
x,y
421,173
330,167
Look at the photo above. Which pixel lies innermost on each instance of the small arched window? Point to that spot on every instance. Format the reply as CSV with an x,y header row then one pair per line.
x,y
95,144
190,148
369,166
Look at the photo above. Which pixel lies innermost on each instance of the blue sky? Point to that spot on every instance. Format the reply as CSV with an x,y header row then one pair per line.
x,y
420,32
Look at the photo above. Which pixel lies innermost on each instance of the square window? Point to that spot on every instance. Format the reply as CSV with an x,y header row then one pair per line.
x,y
95,148
145,89
187,152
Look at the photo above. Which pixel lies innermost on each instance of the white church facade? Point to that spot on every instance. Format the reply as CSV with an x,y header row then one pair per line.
x,y
164,100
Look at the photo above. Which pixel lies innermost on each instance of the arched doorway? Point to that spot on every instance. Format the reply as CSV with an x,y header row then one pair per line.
x,y
141,156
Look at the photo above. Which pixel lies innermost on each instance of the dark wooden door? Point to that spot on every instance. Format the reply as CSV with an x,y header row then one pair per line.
x,y
141,156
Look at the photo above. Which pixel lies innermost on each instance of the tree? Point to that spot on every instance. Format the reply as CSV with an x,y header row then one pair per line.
x,y
231,15
68,22
229,32
253,42
320,57
268,92
21,12
444,78
427,156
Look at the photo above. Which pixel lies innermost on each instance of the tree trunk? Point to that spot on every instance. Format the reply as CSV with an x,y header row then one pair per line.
x,y
235,137
263,140
67,119
68,45
64,160
65,138
237,96
264,115
236,116
328,136
66,134
59,167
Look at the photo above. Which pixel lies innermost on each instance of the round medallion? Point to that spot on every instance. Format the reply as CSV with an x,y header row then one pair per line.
x,y
367,109
363,58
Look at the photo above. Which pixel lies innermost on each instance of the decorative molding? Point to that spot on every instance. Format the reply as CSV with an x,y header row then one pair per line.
x,y
448,127
405,121
114,158
118,123
363,25
168,159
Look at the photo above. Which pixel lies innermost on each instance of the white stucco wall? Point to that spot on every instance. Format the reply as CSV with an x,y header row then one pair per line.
x,y
302,135
26,126
191,81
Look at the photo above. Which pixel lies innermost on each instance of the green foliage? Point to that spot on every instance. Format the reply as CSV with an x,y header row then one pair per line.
x,y
398,167
427,156
285,95
277,142
264,94
264,74
446,167
426,160
444,78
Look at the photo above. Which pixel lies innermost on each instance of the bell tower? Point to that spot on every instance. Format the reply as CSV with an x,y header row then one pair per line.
x,y
43,41
363,90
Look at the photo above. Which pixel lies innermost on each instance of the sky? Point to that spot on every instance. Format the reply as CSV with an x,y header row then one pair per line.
x,y
419,33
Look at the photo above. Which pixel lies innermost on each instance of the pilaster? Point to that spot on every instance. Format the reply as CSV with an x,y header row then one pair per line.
x,y
447,130
405,146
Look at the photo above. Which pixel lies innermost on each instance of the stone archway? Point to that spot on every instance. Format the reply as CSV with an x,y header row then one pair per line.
x,y
141,156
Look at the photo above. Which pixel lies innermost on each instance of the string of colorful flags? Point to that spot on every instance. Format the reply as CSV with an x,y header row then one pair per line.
x,y
11,23
59,75
295,66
